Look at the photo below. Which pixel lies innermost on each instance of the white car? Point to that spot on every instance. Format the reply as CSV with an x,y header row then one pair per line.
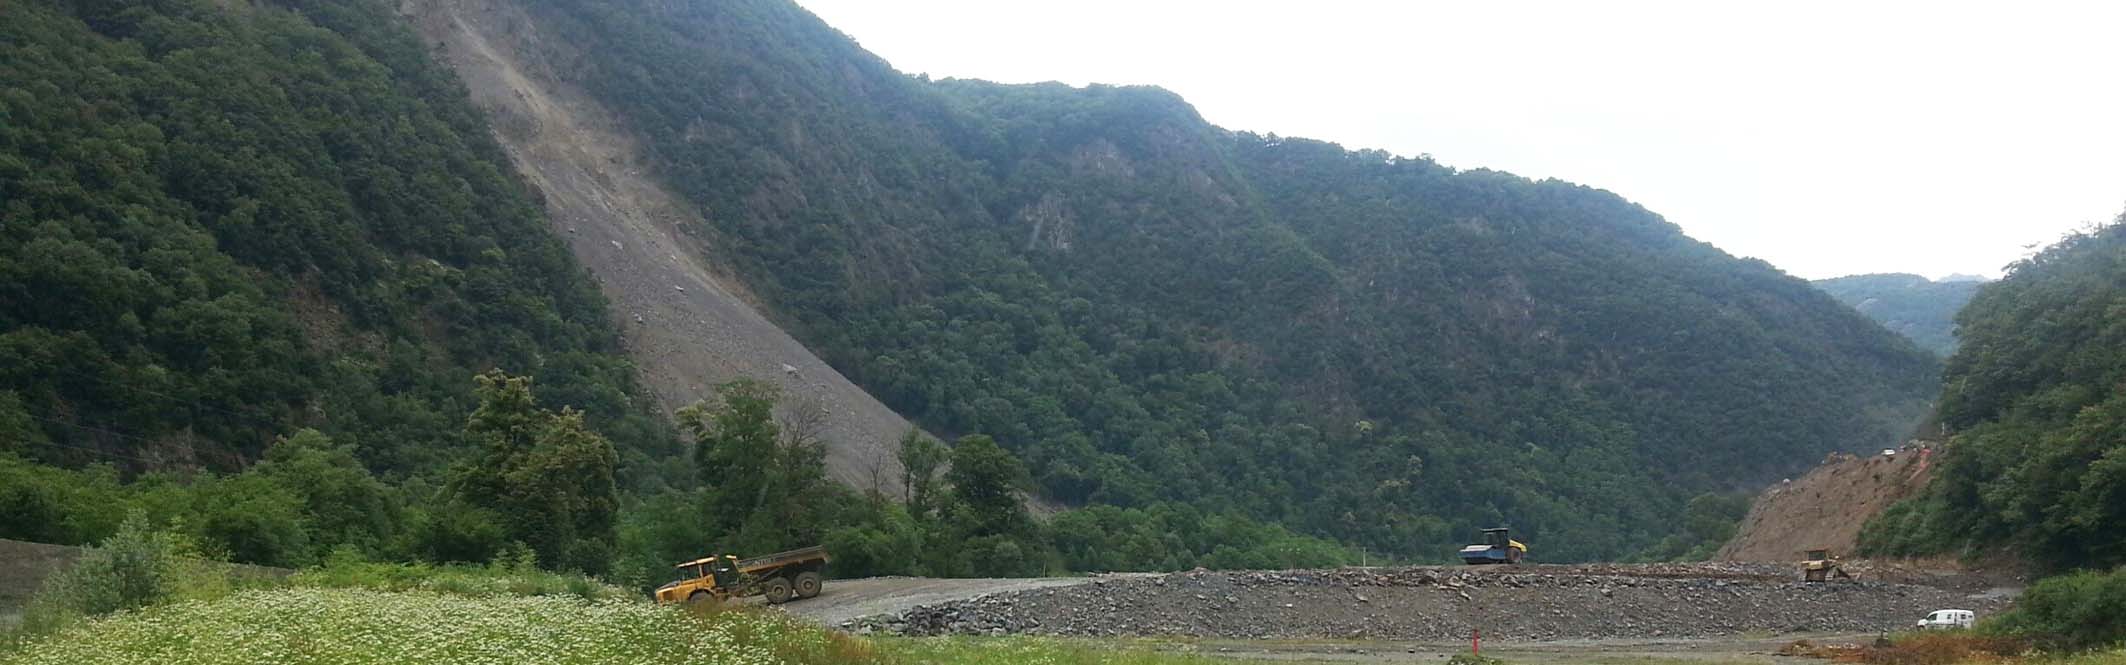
x,y
1946,619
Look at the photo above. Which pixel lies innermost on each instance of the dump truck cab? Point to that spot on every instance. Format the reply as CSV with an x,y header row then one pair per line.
x,y
1498,547
706,578
778,577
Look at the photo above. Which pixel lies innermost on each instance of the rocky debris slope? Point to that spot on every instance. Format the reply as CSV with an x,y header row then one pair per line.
x,y
1826,508
1529,603
687,326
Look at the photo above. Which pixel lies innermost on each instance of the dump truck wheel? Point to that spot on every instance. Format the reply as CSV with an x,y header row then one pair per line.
x,y
700,598
807,584
777,590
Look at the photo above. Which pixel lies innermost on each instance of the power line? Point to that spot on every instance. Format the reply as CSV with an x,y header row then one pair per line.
x,y
97,430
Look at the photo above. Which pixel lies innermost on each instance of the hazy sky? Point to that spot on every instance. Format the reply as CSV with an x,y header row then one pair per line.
x,y
1828,139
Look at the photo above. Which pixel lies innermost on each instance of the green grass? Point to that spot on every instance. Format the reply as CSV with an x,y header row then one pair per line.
x,y
360,627
494,581
355,626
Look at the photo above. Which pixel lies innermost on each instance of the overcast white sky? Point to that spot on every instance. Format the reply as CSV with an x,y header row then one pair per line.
x,y
1828,139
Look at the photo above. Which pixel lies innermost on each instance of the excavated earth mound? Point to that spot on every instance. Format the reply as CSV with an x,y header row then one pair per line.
x,y
1826,508
1525,603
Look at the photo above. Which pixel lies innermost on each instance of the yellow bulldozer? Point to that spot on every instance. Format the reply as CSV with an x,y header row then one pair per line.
x,y
1821,567
778,577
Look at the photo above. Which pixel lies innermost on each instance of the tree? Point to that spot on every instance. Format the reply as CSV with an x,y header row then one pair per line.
x,y
985,489
17,431
920,456
345,505
734,447
764,474
546,476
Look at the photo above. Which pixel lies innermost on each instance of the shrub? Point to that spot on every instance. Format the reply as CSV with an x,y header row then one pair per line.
x,y
134,568
454,532
345,571
2075,611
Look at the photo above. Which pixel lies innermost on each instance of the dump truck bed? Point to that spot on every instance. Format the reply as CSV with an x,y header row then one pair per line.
x,y
781,559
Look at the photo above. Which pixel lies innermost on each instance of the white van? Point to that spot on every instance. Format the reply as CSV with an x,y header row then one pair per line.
x,y
1945,619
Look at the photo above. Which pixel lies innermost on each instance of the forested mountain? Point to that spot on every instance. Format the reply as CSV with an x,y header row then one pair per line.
x,y
267,280
250,255
225,224
2034,399
1153,311
1916,307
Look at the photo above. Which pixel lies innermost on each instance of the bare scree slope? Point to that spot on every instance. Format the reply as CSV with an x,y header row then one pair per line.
x,y
688,325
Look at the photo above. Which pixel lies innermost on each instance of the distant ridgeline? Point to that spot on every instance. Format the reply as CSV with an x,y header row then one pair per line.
x,y
1920,309
1151,310
218,226
2036,400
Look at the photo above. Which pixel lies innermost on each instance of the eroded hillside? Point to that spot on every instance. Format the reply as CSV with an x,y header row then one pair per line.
x,y
687,324
1827,507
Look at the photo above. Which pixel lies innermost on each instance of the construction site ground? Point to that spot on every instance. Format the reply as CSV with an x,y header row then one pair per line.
x,y
1716,612
1738,650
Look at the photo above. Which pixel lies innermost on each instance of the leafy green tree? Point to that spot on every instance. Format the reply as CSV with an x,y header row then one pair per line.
x,y
249,518
658,530
546,475
986,482
344,504
736,441
920,456
876,539
765,477
18,432
49,505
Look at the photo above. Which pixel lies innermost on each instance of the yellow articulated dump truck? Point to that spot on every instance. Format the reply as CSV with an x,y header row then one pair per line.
x,y
777,577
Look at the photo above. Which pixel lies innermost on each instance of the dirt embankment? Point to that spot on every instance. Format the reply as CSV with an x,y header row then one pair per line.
x,y
687,326
1531,603
25,565
1826,508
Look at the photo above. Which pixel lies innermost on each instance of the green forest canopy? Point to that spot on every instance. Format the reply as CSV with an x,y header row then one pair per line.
x,y
251,255
2035,397
220,226
1916,307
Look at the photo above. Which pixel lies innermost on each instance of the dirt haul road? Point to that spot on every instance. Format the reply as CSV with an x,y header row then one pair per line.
x,y
842,601
1511,604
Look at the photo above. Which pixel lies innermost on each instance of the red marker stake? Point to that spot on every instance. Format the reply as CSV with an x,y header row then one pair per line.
x,y
1476,642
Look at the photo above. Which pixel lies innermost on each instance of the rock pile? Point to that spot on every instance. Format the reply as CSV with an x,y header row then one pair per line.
x,y
1526,603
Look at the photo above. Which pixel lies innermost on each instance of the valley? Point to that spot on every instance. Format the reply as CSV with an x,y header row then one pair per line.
x,y
381,331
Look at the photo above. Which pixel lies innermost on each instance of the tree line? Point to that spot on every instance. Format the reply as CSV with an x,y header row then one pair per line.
x,y
541,487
